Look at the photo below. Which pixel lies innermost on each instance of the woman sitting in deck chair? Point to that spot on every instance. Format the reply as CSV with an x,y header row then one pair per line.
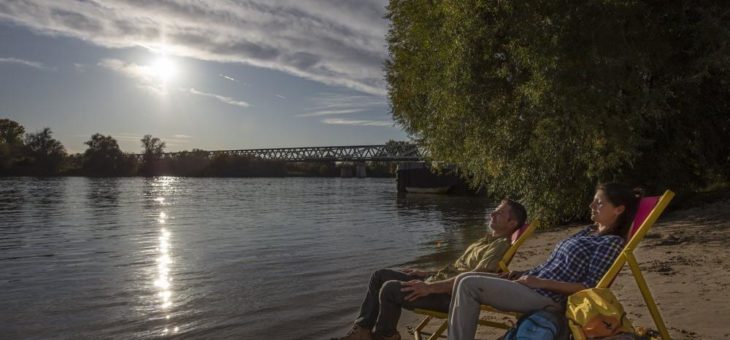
x,y
576,263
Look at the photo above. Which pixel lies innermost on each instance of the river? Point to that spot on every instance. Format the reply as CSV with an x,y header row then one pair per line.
x,y
243,258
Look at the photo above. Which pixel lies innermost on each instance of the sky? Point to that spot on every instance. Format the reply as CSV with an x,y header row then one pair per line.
x,y
212,75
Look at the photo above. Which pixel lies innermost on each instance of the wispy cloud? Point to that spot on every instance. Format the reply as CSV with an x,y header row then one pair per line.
x,y
228,77
182,136
29,63
338,121
280,97
327,104
144,75
222,99
335,42
80,67
331,112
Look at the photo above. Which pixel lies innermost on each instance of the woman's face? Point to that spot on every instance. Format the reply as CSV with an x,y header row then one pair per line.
x,y
604,212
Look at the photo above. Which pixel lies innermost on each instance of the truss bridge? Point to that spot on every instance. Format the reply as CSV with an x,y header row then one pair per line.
x,y
397,152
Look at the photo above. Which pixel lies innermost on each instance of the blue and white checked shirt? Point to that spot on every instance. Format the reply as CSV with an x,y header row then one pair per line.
x,y
582,258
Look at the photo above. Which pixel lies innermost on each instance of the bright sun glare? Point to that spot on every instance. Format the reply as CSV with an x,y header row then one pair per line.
x,y
164,69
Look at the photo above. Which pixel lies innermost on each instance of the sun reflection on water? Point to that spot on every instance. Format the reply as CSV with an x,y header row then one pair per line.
x,y
163,281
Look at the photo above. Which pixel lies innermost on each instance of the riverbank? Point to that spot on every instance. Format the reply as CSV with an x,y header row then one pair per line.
x,y
684,260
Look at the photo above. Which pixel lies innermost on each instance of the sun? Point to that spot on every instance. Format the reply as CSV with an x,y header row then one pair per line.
x,y
163,69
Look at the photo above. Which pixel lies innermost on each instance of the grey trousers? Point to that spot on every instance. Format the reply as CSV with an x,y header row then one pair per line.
x,y
474,289
382,305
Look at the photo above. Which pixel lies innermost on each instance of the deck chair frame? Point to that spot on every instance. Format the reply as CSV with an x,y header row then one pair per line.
x,y
626,255
503,266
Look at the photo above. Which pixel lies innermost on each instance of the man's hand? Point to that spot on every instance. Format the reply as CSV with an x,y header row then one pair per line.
x,y
416,272
417,289
531,281
514,275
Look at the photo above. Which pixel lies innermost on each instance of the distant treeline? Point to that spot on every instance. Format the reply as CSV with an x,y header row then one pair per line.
x,y
39,154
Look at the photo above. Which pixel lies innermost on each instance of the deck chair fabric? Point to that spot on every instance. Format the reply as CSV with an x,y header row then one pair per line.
x,y
649,210
517,238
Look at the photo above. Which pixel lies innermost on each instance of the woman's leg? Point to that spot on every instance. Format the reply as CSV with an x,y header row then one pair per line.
x,y
471,291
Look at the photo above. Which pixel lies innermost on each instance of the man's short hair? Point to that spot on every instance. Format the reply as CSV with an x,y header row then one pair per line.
x,y
517,211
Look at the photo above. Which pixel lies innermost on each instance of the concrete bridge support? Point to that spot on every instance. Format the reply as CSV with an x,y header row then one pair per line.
x,y
345,171
360,170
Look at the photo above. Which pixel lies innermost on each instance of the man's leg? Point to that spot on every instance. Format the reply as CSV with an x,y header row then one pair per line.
x,y
392,299
471,291
371,304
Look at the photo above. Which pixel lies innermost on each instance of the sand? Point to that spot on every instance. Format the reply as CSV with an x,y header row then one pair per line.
x,y
684,260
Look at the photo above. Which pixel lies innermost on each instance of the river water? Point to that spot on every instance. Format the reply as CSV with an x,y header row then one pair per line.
x,y
279,258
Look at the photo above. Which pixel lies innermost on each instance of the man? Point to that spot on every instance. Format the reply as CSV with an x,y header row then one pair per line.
x,y
390,290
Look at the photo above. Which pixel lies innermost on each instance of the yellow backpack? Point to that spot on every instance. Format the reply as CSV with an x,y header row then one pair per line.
x,y
596,313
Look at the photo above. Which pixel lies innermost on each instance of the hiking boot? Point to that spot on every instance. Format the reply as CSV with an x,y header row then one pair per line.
x,y
358,333
395,336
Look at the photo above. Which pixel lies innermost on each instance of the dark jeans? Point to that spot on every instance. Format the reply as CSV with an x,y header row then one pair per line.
x,y
384,300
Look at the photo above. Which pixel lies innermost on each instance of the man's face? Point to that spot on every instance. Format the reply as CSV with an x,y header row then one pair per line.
x,y
500,221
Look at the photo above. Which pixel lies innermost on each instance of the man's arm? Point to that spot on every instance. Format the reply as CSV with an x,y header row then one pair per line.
x,y
416,272
419,289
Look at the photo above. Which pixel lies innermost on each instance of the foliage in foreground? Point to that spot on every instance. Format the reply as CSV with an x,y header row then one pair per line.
x,y
543,99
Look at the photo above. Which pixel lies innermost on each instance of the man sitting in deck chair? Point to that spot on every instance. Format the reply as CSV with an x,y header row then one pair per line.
x,y
390,290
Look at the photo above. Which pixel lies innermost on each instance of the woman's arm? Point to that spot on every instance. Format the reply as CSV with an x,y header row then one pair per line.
x,y
565,288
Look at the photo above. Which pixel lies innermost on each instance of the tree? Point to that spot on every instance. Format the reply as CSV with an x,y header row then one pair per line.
x,y
153,148
542,99
11,132
46,153
104,158
11,145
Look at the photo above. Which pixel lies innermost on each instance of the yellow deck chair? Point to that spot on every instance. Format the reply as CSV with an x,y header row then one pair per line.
x,y
517,239
650,208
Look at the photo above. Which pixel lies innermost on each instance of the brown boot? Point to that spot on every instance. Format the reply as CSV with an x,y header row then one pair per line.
x,y
395,336
358,333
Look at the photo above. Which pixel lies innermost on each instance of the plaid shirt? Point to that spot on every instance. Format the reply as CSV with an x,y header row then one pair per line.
x,y
582,258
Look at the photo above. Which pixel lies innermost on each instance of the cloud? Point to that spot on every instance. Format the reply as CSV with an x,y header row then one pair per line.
x,y
229,78
80,67
226,100
182,136
338,121
331,112
145,76
280,97
325,104
340,43
33,64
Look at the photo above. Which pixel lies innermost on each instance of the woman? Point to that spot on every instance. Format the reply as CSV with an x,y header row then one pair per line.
x,y
576,263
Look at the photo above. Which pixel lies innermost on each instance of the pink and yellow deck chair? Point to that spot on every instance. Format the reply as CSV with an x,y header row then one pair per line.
x,y
517,239
650,208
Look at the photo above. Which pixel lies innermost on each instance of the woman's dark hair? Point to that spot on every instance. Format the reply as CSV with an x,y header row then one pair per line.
x,y
620,194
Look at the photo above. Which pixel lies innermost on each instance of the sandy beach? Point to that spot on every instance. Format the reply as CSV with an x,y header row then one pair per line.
x,y
685,263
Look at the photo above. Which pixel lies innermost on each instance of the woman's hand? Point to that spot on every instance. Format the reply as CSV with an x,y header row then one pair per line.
x,y
416,272
417,289
531,281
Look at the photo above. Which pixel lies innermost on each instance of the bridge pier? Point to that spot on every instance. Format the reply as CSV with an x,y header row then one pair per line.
x,y
345,171
360,169
350,169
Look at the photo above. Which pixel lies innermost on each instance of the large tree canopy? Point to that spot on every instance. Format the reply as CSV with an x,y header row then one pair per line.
x,y
543,99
